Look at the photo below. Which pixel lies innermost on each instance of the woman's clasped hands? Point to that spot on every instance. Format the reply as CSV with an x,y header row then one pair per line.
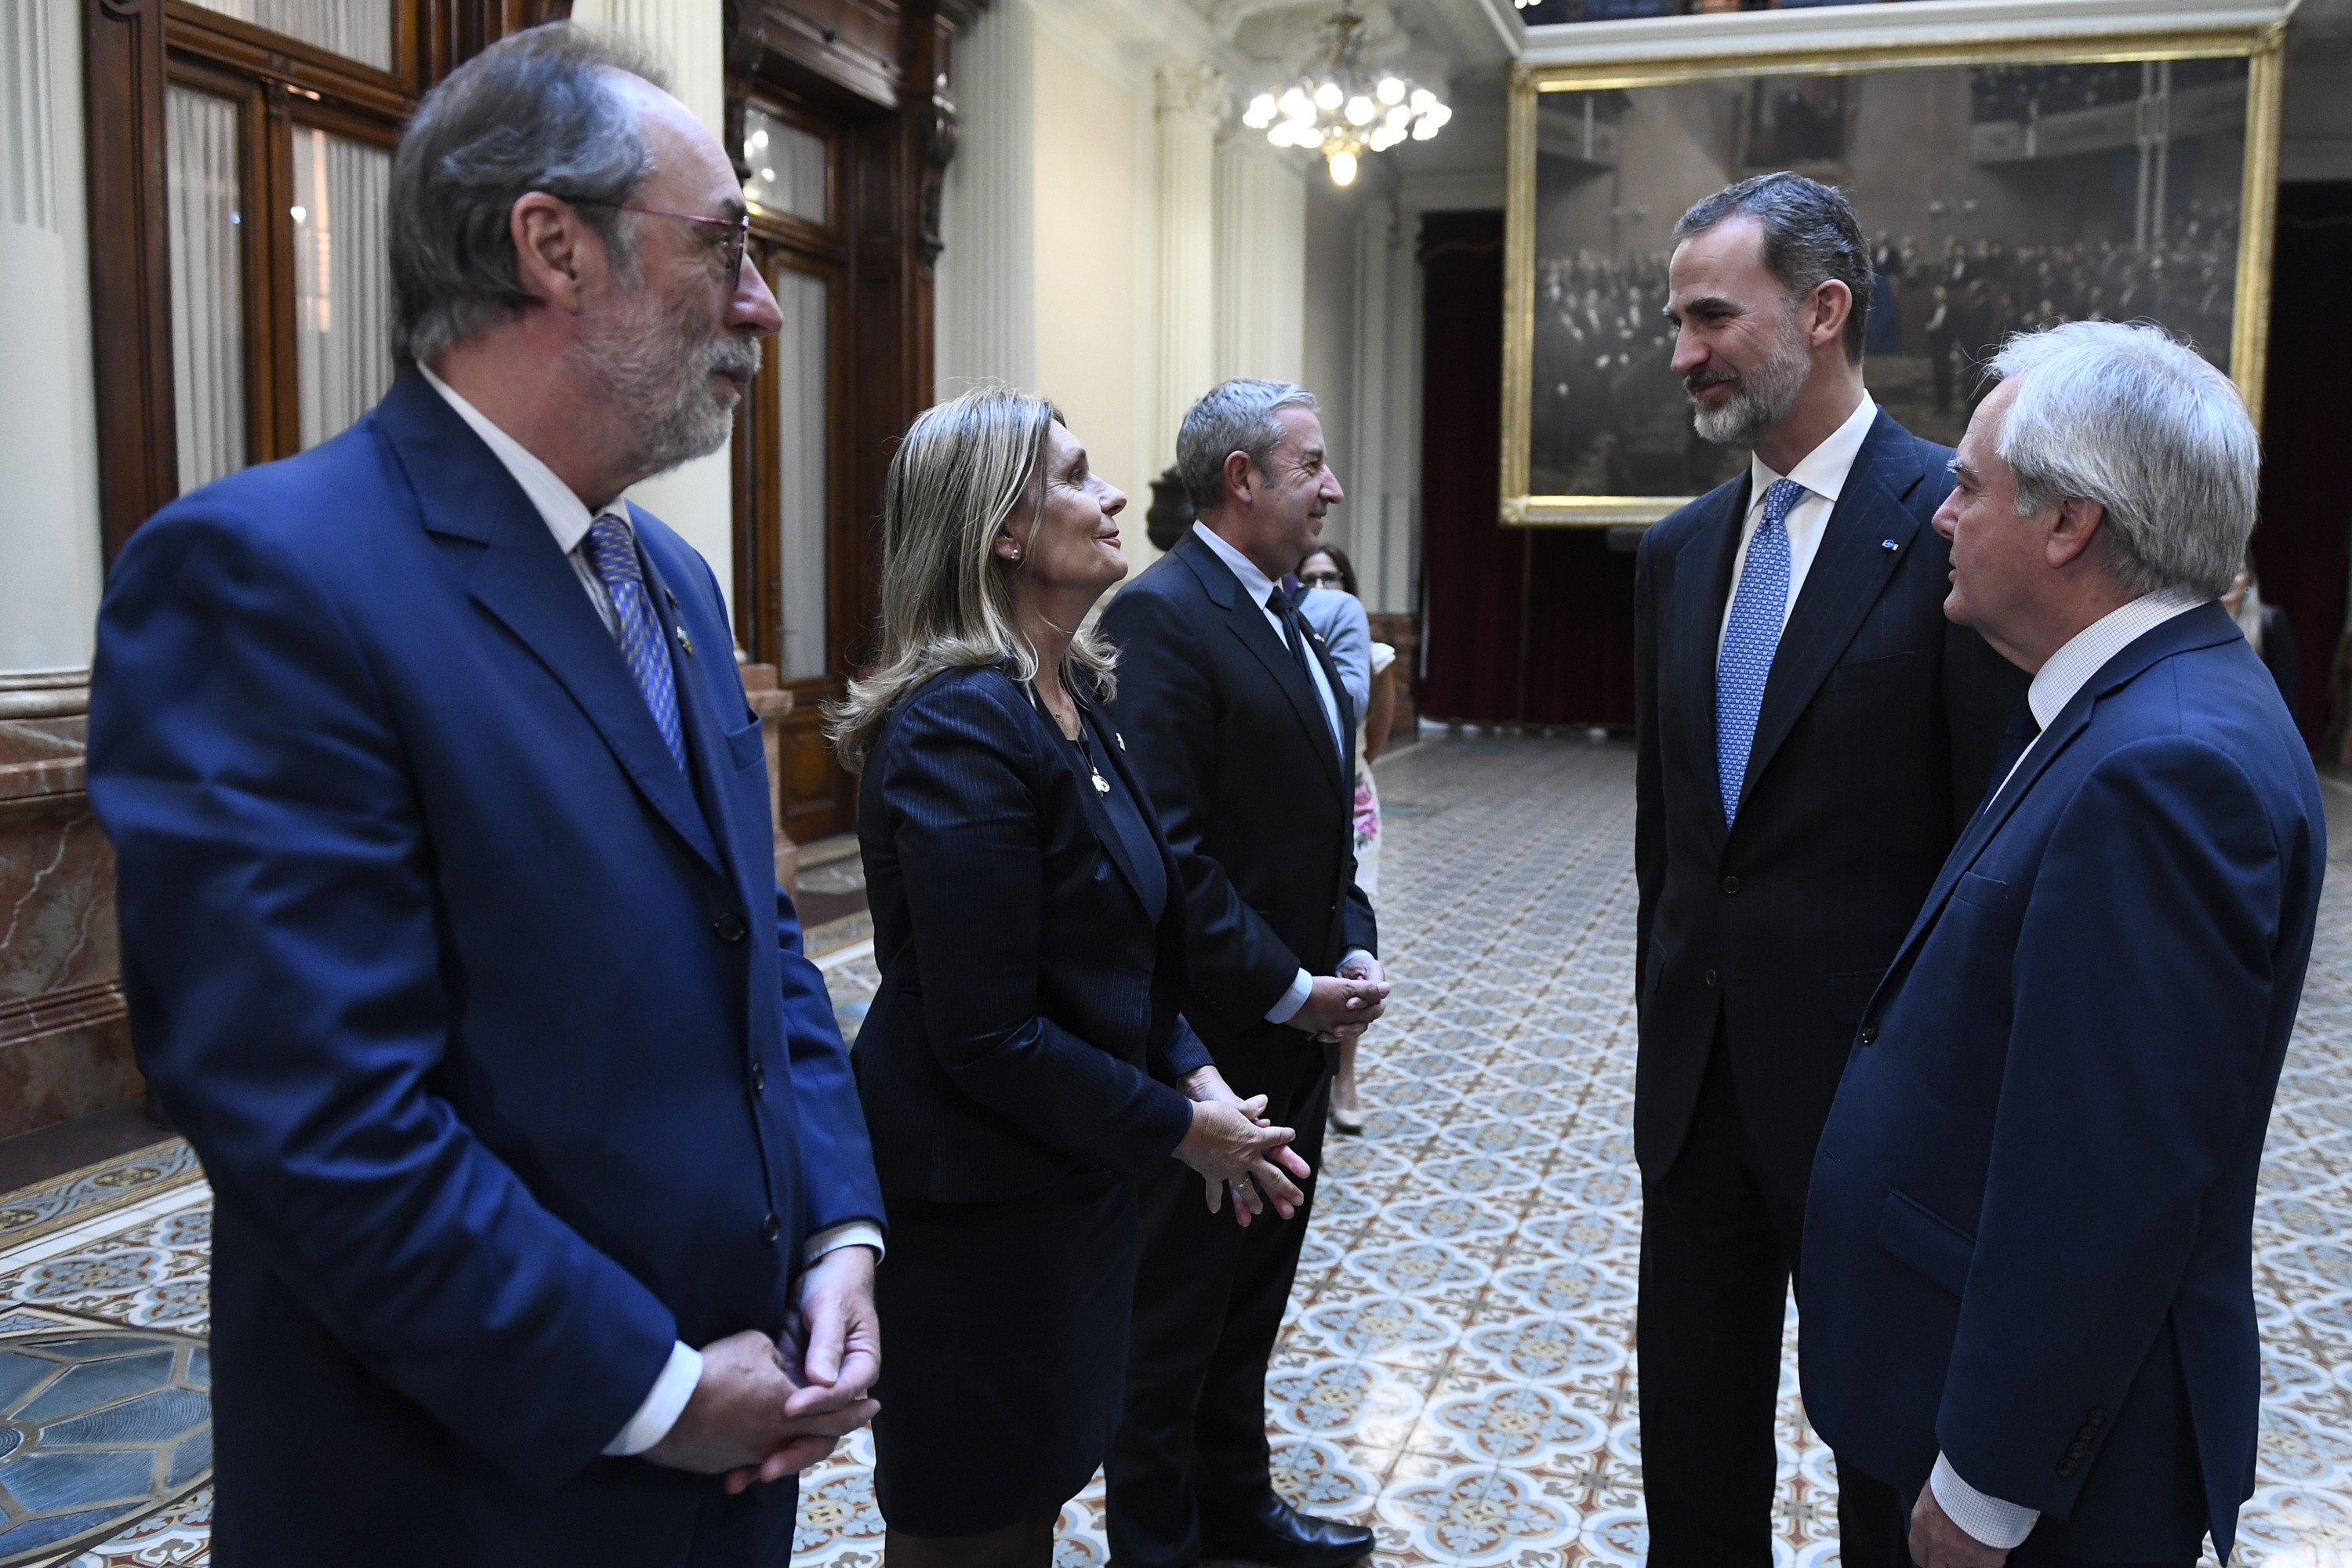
x,y
1232,1146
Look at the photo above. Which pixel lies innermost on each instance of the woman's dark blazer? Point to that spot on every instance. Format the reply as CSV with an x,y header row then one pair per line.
x,y
1027,1005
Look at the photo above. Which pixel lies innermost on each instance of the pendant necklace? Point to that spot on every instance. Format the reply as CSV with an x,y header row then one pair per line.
x,y
1102,785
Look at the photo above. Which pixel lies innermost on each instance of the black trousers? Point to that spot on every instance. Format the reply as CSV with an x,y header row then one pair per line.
x,y
1722,1230
1209,1299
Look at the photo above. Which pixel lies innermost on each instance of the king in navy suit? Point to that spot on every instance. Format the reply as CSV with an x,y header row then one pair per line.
x,y
451,936
2029,1244
1811,732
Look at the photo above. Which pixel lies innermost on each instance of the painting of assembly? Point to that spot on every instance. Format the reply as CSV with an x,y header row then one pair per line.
x,y
1999,197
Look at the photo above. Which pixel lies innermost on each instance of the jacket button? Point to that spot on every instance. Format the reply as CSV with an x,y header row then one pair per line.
x,y
770,1228
2088,1434
728,927
759,1078
1731,884
2066,1470
2098,1416
1710,979
2077,1450
1868,1034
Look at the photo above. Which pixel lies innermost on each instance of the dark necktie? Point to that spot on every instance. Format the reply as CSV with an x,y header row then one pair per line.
x,y
1285,610
2024,729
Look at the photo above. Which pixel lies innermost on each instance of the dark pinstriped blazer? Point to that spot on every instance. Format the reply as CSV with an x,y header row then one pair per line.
x,y
1878,730
1028,1017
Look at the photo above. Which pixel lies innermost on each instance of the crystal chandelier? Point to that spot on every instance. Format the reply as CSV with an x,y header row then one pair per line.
x,y
1348,107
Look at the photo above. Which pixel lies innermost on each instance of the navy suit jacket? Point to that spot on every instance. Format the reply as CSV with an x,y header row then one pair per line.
x,y
1254,794
491,1024
1880,722
2029,1243
1027,1001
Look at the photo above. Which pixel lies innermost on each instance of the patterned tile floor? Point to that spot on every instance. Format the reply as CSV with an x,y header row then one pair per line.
x,y
1456,1367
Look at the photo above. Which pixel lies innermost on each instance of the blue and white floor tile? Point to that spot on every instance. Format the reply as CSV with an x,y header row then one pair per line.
x,y
1457,1366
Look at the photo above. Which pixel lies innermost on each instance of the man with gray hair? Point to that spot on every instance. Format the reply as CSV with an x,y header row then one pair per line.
x,y
1811,733
2027,1249
545,1222
1243,734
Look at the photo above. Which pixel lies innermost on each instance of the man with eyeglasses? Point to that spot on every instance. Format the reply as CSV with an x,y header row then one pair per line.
x,y
545,1221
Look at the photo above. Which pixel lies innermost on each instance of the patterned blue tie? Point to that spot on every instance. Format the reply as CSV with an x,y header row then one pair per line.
x,y
612,551
1759,607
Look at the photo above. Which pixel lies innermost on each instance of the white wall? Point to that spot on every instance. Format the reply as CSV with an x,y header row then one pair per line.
x,y
49,544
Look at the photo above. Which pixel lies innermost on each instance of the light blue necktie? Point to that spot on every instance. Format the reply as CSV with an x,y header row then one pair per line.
x,y
612,551
1759,607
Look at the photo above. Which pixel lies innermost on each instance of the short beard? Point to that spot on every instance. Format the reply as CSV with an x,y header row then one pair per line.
x,y
1760,398
656,362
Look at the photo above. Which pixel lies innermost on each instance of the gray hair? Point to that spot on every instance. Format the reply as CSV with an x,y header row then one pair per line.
x,y
1811,235
1232,416
963,471
2127,416
535,111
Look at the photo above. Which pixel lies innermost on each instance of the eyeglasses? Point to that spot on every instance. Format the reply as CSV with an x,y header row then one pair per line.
x,y
739,227
1322,579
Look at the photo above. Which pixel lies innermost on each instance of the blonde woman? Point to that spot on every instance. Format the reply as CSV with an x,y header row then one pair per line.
x,y
1024,1064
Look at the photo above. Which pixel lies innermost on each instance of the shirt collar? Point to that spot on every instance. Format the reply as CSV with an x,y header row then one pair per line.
x,y
1254,583
1823,469
2085,653
566,515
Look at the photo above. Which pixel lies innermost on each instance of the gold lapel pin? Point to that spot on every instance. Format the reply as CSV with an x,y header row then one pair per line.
x,y
685,641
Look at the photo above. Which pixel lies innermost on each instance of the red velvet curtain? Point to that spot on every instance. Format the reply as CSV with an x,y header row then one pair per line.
x,y
1532,626
2301,548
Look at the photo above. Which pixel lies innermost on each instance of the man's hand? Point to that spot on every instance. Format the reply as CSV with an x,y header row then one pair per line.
x,y
1363,966
1338,1008
1938,1542
735,1422
839,1338
1207,1088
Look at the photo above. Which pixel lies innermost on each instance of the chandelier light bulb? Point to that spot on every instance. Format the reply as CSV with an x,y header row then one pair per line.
x,y
1398,117
1343,168
1329,96
1424,128
1360,110
1261,111
1422,99
1390,90
1295,104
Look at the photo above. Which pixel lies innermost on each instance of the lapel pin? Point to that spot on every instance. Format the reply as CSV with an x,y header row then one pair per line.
x,y
1886,544
1120,739
686,642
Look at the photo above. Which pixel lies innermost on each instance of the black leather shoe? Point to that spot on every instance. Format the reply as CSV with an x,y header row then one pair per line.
x,y
1279,1536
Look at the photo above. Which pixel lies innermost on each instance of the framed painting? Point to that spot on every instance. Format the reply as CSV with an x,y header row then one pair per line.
x,y
2004,186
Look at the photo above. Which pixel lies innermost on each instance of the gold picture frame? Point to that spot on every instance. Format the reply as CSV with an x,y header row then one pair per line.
x,y
2259,41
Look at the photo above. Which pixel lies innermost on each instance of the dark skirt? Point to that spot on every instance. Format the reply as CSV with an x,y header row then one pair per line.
x,y
1004,1353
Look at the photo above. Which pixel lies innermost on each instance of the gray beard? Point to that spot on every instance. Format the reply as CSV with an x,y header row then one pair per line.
x,y
659,361
1758,400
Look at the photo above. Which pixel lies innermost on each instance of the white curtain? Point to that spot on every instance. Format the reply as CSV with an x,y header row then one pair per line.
x,y
789,168
356,29
800,357
343,285
207,285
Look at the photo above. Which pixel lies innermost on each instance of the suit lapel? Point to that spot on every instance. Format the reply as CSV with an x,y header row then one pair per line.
x,y
1097,810
1849,572
1698,589
1247,621
2195,628
523,580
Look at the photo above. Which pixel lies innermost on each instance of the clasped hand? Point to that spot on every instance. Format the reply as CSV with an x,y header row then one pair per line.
x,y
1340,1006
765,1408
1234,1149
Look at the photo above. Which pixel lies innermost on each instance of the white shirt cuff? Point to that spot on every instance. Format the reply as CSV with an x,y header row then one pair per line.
x,y
1998,1524
663,1406
855,1233
1287,1005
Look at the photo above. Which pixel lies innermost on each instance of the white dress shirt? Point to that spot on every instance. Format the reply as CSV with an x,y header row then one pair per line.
x,y
1260,587
569,518
1822,471
2000,1524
